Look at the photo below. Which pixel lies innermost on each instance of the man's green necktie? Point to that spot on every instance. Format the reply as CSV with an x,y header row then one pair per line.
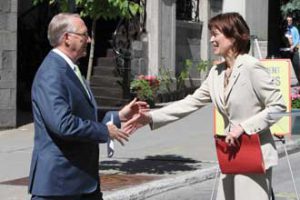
x,y
78,73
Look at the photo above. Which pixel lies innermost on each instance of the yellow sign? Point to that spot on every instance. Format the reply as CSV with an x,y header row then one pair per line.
x,y
280,71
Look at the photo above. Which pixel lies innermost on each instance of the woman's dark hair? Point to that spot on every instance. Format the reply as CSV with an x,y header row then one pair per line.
x,y
233,25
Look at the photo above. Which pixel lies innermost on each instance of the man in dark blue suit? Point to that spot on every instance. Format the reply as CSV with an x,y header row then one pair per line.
x,y
65,156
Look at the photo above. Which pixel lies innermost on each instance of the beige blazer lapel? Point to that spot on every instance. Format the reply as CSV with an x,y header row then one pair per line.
x,y
220,84
234,76
218,87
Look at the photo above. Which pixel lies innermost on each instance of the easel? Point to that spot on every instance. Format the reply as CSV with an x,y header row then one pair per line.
x,y
283,141
280,138
255,41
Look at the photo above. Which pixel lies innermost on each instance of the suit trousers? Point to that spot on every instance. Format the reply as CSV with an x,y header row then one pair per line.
x,y
296,64
92,196
245,187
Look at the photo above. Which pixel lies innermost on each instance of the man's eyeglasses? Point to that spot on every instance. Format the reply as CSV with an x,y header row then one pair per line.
x,y
85,34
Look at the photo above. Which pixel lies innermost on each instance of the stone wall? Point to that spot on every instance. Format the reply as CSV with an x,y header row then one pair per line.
x,y
8,57
188,43
139,61
161,35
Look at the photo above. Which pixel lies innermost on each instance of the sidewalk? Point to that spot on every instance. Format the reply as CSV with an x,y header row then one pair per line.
x,y
185,179
152,162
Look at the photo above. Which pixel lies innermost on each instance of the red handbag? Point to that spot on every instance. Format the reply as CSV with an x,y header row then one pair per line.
x,y
246,158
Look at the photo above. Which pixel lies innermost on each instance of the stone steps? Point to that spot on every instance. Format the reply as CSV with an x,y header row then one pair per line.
x,y
105,84
111,92
105,71
105,81
106,61
106,101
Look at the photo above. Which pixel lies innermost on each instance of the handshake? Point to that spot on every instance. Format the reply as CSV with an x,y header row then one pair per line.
x,y
133,116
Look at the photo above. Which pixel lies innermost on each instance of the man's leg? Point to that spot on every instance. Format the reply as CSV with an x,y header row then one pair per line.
x,y
35,197
296,64
97,195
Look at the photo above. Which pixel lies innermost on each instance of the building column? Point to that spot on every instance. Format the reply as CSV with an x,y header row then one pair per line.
x,y
161,27
204,16
153,30
8,64
257,21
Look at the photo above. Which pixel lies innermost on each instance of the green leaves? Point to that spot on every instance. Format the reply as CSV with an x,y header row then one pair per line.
x,y
165,79
184,74
35,2
95,9
203,65
143,90
290,7
296,103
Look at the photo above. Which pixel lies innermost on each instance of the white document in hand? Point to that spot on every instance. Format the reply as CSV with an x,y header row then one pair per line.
x,y
110,143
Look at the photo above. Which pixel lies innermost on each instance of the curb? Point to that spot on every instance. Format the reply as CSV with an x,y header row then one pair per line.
x,y
291,147
159,186
155,187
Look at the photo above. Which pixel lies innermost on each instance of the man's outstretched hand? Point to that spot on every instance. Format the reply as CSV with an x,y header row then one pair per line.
x,y
117,134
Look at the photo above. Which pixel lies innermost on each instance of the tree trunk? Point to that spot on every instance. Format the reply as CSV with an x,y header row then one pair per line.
x,y
91,56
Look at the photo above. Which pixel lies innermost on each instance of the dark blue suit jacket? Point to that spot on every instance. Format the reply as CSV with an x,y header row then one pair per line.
x,y
66,152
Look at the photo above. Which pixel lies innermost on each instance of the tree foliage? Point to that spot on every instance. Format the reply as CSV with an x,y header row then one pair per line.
x,y
290,6
96,9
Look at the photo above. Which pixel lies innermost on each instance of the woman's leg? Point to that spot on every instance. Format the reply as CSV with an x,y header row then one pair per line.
x,y
245,187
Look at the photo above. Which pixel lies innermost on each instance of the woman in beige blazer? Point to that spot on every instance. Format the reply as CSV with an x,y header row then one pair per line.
x,y
243,92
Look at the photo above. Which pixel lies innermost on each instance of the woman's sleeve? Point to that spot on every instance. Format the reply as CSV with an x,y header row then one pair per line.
x,y
184,107
269,96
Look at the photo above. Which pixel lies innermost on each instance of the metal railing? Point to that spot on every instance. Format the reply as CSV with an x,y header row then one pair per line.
x,y
187,10
127,31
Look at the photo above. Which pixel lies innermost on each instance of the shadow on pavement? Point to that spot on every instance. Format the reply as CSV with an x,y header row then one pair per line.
x,y
161,164
133,172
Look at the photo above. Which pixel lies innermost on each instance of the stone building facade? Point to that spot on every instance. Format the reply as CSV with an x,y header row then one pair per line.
x,y
8,63
167,42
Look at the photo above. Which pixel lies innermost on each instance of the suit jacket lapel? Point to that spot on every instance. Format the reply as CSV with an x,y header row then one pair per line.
x,y
71,74
74,78
234,76
218,82
92,99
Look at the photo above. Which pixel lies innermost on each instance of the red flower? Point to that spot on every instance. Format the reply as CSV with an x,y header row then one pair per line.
x,y
152,80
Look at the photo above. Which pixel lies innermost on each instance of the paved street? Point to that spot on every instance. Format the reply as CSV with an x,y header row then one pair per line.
x,y
282,184
178,155
189,139
178,148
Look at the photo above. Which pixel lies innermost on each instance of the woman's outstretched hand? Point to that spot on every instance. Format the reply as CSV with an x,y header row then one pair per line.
x,y
137,121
